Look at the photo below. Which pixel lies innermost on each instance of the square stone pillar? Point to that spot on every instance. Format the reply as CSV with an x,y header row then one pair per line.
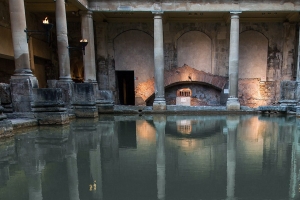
x,y
84,100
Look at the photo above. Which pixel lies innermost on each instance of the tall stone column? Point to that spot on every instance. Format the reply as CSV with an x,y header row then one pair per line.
x,y
232,123
233,102
160,125
18,25
65,82
23,80
62,41
159,101
87,32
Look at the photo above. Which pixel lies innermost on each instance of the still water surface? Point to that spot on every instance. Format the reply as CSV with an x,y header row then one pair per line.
x,y
154,157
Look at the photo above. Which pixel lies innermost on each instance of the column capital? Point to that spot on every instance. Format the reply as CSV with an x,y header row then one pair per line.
x,y
86,13
157,13
235,14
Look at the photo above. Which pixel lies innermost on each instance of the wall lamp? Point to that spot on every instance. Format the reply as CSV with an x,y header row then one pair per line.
x,y
47,26
82,45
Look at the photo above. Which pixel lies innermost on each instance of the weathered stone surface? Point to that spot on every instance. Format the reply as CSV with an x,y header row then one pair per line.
x,y
47,98
233,104
83,94
5,93
86,111
67,92
47,118
288,90
6,129
272,108
21,93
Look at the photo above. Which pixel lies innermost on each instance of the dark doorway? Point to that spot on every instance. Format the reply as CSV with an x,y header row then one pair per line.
x,y
126,87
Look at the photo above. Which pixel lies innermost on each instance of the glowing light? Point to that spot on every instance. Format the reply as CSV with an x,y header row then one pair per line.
x,y
83,40
46,21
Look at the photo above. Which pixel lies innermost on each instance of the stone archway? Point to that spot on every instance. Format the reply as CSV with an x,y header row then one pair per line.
x,y
180,75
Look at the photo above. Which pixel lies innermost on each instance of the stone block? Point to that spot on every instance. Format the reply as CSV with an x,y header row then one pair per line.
x,y
6,129
51,83
288,90
104,97
233,104
86,111
5,93
47,118
159,105
21,93
183,101
67,91
47,97
83,94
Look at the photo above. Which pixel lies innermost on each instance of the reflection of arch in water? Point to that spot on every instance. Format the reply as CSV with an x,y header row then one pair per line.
x,y
200,127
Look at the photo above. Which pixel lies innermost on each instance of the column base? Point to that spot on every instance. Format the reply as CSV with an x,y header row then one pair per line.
x,y
159,105
67,92
47,118
86,111
233,104
21,92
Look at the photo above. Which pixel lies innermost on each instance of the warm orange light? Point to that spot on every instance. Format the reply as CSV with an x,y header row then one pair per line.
x,y
83,40
45,21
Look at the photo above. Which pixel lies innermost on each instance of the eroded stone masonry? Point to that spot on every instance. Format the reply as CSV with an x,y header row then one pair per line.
x,y
233,53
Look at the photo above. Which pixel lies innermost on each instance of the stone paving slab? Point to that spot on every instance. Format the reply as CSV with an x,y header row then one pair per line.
x,y
22,123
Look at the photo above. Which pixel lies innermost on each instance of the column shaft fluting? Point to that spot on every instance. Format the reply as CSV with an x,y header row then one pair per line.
x,y
20,45
87,32
234,55
159,61
62,41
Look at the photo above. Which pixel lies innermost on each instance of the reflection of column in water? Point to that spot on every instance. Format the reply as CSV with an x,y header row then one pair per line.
x,y
232,123
34,185
71,158
160,124
294,182
96,172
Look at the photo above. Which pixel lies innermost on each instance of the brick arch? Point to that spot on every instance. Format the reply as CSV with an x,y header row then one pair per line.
x,y
179,75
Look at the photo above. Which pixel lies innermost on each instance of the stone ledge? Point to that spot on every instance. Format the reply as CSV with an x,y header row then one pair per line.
x,y
272,108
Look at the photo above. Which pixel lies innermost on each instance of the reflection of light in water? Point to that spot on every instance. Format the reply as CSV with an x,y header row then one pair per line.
x,y
93,187
184,126
145,130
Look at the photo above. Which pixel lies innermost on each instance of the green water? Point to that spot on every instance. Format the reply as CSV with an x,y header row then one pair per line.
x,y
245,157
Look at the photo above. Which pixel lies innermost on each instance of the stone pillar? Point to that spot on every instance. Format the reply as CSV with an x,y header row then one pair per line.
x,y
62,41
160,125
233,102
23,80
65,82
87,32
159,101
232,123
18,25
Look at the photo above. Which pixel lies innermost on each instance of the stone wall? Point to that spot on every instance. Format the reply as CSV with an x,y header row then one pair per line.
x,y
267,52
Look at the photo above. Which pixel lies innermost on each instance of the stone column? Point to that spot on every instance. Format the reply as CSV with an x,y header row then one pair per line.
x,y
23,80
18,25
87,32
65,82
159,101
160,125
232,123
62,41
233,102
